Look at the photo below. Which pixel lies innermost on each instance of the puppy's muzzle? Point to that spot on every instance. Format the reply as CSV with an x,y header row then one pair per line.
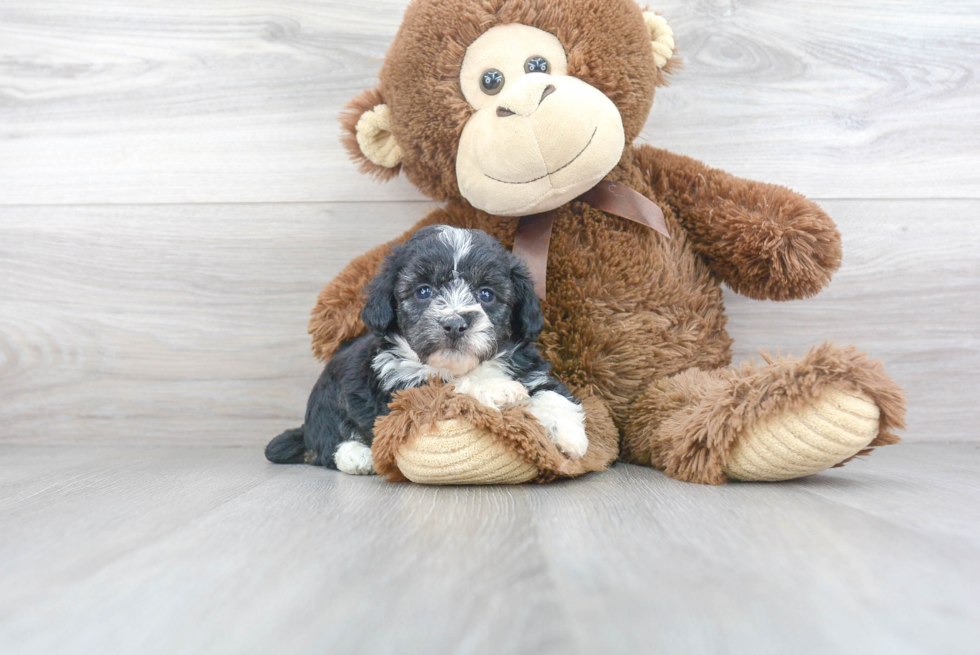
x,y
455,327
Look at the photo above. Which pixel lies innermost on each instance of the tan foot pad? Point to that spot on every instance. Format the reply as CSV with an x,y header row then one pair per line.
x,y
798,443
456,453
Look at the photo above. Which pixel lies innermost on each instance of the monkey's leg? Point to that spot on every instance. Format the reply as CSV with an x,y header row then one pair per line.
x,y
786,419
436,436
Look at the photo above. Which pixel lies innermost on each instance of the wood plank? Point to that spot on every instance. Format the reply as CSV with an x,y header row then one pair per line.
x,y
176,551
237,102
835,99
750,567
158,550
162,324
945,500
84,502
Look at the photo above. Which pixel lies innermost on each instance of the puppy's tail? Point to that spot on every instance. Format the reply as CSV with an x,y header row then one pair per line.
x,y
288,448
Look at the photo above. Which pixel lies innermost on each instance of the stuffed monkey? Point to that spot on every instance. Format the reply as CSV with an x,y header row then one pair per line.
x,y
519,115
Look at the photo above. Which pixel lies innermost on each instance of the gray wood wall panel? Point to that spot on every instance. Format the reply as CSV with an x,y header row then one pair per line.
x,y
235,101
173,195
161,323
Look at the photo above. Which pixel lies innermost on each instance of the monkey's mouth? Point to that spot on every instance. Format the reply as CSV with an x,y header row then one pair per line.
x,y
560,168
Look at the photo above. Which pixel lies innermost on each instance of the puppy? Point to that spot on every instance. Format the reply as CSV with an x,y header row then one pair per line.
x,y
451,304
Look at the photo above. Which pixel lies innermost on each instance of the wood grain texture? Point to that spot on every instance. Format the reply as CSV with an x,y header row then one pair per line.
x,y
168,549
128,102
168,322
156,324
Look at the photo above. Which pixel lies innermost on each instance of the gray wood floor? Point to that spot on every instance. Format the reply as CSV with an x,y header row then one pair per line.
x,y
168,549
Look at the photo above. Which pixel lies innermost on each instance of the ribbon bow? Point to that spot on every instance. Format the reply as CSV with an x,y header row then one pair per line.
x,y
534,232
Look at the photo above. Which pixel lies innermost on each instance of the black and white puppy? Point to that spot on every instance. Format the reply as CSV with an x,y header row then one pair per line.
x,y
451,304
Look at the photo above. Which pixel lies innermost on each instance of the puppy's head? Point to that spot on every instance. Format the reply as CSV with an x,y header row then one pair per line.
x,y
455,296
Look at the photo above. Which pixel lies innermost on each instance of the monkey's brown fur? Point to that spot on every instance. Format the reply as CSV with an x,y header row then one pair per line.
x,y
631,318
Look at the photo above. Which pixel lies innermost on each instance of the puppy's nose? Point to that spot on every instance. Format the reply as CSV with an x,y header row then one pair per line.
x,y
454,326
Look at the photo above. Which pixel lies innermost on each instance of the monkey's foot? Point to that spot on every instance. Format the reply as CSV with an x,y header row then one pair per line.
x,y
796,443
786,419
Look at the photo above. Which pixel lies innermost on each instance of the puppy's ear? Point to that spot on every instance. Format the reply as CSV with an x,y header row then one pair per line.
x,y
379,313
528,320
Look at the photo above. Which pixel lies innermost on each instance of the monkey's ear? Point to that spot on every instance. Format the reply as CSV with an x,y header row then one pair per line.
x,y
366,121
661,38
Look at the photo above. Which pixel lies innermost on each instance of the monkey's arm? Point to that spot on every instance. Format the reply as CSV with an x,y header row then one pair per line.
x,y
762,240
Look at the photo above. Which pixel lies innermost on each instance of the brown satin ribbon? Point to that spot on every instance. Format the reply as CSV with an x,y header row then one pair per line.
x,y
534,232
531,244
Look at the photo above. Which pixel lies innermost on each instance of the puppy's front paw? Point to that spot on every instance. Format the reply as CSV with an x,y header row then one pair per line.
x,y
354,458
563,420
493,393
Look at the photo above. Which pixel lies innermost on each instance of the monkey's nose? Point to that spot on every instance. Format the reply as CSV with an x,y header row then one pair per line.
x,y
524,104
454,327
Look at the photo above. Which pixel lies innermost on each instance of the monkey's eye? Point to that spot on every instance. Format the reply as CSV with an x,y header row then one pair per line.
x,y
485,295
423,292
536,64
492,82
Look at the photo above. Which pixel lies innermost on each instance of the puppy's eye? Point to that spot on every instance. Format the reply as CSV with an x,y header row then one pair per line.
x,y
423,292
485,295
492,82
536,65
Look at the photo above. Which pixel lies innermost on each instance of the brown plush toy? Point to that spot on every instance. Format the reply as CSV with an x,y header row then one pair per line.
x,y
521,115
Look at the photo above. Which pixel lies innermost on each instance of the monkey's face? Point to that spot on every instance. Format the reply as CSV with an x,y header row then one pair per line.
x,y
516,106
539,137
